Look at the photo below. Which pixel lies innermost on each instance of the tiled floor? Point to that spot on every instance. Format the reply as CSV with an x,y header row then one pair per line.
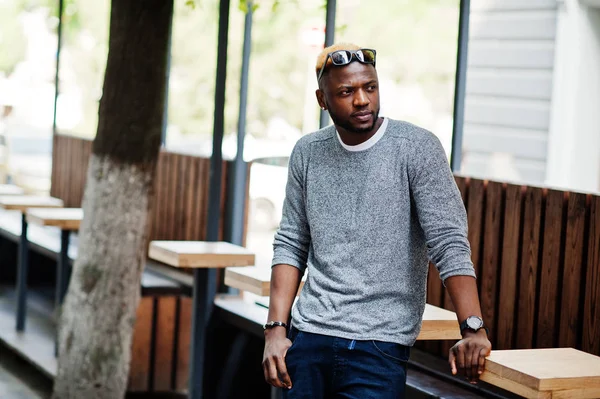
x,y
19,380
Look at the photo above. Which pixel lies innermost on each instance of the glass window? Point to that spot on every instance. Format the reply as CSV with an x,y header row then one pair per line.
x,y
82,64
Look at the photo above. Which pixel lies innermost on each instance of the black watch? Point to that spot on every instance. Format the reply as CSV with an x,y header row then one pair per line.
x,y
473,323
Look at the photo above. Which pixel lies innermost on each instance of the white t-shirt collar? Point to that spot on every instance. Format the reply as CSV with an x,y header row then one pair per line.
x,y
367,144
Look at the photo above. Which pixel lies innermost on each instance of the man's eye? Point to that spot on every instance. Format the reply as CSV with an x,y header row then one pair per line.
x,y
371,88
345,92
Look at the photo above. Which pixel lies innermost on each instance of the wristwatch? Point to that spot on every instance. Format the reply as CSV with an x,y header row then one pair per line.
x,y
272,324
473,323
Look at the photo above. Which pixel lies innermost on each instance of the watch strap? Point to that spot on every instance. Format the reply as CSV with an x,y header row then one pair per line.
x,y
273,324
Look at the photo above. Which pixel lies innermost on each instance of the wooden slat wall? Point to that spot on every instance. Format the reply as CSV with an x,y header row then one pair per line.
x,y
537,256
181,198
162,333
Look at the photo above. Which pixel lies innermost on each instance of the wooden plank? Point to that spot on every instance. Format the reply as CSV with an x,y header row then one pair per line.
x,y
537,368
491,254
23,202
549,273
570,314
505,329
158,198
171,185
182,189
140,351
165,338
201,254
475,222
188,198
10,189
183,344
591,321
63,218
202,195
526,315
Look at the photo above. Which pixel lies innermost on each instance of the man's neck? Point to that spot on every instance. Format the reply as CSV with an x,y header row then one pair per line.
x,y
350,138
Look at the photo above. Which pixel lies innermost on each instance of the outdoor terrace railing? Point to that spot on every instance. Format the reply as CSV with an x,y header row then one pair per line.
x,y
536,252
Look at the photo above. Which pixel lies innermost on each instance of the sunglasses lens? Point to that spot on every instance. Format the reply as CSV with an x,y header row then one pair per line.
x,y
365,55
341,57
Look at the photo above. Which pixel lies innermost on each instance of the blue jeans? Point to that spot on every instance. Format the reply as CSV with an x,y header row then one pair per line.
x,y
324,367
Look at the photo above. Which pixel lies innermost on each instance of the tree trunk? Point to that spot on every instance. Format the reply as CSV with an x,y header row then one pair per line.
x,y
98,314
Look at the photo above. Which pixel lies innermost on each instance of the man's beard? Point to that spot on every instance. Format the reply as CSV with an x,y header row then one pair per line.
x,y
347,125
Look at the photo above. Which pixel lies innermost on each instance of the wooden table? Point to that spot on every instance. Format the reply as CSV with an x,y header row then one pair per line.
x,y
10,189
21,203
204,258
438,323
564,373
68,220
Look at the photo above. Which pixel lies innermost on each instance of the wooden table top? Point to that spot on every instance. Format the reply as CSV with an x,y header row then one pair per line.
x,y
24,202
10,189
256,280
64,218
438,323
200,254
545,373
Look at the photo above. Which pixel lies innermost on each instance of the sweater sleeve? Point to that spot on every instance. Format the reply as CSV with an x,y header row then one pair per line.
x,y
292,239
439,207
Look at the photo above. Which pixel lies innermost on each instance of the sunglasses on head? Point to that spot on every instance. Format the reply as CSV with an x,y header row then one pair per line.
x,y
344,57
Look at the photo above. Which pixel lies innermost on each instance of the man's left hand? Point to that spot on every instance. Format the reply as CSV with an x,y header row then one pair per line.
x,y
467,357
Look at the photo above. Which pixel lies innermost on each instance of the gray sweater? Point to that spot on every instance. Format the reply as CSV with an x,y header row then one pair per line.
x,y
364,223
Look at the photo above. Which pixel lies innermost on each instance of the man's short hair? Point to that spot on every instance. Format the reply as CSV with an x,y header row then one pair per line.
x,y
323,55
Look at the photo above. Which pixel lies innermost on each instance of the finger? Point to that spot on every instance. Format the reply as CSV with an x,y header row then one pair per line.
x,y
460,359
452,361
481,366
273,377
475,365
265,371
468,355
283,373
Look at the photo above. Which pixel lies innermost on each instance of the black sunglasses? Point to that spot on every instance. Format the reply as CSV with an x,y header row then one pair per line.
x,y
344,57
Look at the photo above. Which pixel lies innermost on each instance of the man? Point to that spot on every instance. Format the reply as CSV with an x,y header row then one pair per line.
x,y
368,202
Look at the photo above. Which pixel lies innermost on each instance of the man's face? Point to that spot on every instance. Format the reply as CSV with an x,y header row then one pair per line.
x,y
351,94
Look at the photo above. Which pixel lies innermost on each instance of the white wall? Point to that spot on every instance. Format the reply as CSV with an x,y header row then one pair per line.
x,y
574,145
509,89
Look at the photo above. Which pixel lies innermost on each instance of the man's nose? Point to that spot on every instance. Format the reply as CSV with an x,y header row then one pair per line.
x,y
360,99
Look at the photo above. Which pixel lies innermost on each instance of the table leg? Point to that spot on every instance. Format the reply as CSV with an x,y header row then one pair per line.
x,y
62,268
22,271
62,278
205,289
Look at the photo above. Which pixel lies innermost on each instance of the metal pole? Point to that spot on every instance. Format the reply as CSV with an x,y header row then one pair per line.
x,y
460,85
56,77
163,137
238,203
329,37
216,161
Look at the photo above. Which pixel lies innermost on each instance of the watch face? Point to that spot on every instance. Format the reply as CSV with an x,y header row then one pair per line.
x,y
474,323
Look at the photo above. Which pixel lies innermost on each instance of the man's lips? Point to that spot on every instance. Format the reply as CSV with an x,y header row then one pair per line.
x,y
362,116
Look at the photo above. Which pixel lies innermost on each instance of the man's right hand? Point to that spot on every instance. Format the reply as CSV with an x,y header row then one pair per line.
x,y
274,368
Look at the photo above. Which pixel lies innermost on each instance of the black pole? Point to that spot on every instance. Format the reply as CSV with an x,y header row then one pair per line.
x,y
329,37
216,160
163,137
238,202
56,77
460,85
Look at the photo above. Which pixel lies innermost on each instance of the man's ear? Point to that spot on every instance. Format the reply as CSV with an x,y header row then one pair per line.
x,y
321,99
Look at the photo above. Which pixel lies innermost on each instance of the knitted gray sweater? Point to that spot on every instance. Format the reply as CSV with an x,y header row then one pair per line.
x,y
365,221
